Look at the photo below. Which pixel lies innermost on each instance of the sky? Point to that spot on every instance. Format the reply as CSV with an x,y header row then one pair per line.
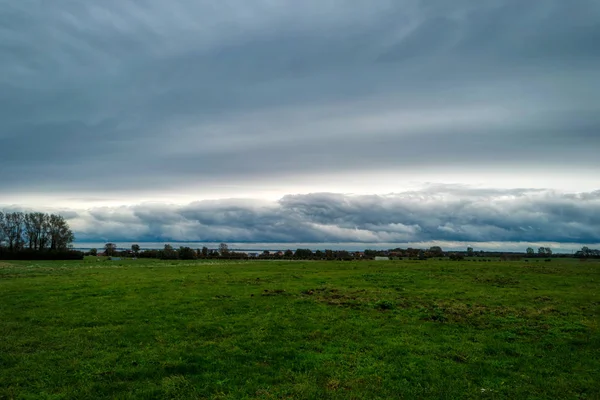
x,y
313,121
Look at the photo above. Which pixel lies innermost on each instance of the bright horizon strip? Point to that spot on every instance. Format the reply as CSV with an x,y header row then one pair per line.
x,y
382,182
517,247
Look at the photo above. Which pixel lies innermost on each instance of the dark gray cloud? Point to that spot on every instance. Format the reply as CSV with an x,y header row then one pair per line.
x,y
450,213
155,96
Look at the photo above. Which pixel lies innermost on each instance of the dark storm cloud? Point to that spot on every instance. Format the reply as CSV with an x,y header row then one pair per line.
x,y
147,95
437,213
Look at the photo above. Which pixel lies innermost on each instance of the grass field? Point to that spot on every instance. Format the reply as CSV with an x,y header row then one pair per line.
x,y
300,330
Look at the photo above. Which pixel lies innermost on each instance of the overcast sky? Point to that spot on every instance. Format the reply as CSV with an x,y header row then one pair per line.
x,y
314,120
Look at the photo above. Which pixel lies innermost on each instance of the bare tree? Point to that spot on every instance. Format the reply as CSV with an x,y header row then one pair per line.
x,y
3,236
223,249
35,231
12,228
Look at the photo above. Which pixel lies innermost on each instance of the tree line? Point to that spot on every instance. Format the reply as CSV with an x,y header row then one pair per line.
x,y
223,252
35,235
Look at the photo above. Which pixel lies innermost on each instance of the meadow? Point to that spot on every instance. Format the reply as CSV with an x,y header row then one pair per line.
x,y
439,329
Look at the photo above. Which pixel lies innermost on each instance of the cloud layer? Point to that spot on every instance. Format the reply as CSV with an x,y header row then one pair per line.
x,y
113,111
445,213
151,97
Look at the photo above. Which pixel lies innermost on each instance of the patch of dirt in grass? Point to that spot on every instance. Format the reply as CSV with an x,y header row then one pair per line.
x,y
275,292
498,281
541,269
483,316
11,276
455,312
443,311
457,357
334,297
253,281
333,384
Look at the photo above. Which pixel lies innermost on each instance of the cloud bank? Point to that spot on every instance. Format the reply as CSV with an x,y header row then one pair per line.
x,y
446,213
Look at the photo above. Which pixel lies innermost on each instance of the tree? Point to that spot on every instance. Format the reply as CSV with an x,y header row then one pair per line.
x,y
530,251
585,251
93,252
12,226
31,231
169,253
60,234
2,234
135,248
371,253
436,251
223,249
187,253
37,229
303,254
542,251
548,251
288,254
343,255
43,226
204,252
109,249
469,252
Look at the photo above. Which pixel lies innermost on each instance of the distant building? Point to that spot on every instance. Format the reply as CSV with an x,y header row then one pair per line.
x,y
382,258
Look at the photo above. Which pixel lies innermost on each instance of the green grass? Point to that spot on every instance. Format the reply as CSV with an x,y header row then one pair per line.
x,y
301,330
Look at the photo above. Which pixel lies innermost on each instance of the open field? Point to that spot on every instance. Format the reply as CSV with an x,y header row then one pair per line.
x,y
306,330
